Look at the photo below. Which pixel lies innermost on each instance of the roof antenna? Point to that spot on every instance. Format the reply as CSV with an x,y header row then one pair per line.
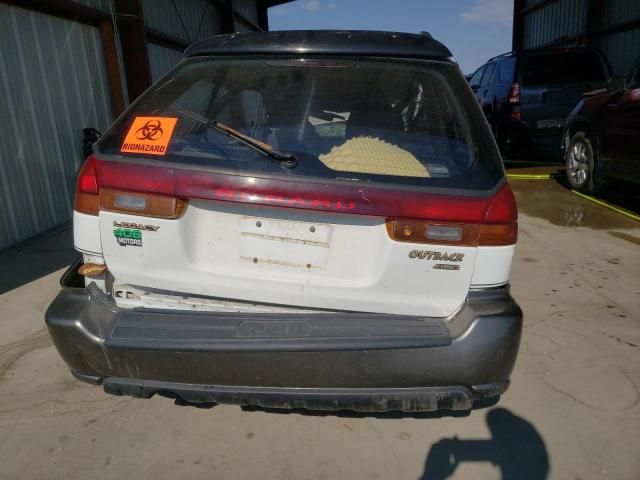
x,y
424,33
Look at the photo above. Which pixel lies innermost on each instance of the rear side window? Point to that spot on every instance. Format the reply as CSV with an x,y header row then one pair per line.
x,y
358,120
507,70
477,76
488,74
563,67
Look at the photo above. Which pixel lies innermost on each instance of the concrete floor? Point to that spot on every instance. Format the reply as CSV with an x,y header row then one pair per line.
x,y
572,412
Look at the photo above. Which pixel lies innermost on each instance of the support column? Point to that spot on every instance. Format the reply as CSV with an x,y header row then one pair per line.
x,y
133,43
113,67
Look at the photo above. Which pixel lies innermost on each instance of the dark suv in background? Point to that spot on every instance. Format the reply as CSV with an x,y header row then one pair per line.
x,y
602,135
527,96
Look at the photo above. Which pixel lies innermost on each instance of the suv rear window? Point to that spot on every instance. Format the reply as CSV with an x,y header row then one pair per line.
x,y
563,67
361,120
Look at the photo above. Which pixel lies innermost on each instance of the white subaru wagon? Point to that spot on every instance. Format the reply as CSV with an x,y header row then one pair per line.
x,y
309,219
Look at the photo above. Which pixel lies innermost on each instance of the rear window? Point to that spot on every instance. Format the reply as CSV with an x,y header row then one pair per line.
x,y
359,120
563,67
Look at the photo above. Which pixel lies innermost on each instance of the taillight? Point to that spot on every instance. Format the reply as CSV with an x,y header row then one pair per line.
x,y
498,225
87,199
91,197
514,94
142,204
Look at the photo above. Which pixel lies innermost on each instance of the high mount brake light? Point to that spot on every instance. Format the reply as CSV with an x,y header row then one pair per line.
x,y
439,218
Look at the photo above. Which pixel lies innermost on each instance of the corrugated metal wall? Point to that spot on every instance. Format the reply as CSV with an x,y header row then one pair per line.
x,y
620,11
188,20
564,18
52,84
564,22
162,60
621,48
248,9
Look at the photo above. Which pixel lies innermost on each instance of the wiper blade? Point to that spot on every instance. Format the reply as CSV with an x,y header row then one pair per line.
x,y
286,159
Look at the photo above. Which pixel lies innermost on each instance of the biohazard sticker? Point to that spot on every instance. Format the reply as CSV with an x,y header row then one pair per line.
x,y
149,135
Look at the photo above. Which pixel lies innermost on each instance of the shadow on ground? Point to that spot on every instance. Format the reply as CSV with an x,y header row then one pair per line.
x,y
37,258
515,447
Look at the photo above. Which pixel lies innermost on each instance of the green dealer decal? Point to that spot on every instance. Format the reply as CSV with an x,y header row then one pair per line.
x,y
128,236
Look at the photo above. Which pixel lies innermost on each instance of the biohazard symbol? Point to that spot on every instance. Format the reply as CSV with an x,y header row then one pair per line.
x,y
152,130
149,135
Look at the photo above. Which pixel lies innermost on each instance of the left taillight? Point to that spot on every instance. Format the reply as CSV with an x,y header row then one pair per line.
x,y
91,197
87,198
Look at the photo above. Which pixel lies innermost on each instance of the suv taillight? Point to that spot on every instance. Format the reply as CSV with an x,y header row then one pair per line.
x,y
514,94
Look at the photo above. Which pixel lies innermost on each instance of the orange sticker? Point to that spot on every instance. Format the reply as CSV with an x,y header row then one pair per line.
x,y
149,135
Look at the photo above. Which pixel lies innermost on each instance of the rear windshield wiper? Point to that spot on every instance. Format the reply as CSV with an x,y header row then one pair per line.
x,y
286,159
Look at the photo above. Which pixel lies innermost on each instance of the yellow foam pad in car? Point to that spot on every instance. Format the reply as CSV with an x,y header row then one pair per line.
x,y
372,155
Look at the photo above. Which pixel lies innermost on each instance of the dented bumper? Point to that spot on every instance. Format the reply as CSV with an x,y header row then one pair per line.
x,y
325,360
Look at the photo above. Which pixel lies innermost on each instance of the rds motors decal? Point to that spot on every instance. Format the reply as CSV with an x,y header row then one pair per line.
x,y
130,234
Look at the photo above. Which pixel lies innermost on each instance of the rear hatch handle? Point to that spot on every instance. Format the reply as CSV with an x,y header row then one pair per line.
x,y
286,159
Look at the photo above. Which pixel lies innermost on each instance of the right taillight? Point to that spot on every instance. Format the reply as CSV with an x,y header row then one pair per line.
x,y
497,226
514,94
500,225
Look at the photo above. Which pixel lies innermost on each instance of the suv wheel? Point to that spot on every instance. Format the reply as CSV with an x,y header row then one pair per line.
x,y
580,161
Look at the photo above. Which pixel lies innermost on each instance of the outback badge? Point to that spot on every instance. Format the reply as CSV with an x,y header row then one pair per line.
x,y
437,256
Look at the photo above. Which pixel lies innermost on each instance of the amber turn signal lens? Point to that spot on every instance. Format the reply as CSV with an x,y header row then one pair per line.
x,y
142,204
419,231
497,235
87,203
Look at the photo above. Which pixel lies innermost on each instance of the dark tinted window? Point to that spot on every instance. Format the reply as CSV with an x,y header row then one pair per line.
x,y
487,74
403,122
477,76
563,67
507,69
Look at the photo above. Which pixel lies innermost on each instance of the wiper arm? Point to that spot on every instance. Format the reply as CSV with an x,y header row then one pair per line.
x,y
286,159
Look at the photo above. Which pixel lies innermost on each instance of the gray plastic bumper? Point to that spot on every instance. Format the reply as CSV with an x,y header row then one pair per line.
x,y
329,361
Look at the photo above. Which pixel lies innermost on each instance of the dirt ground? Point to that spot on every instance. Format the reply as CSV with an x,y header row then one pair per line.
x,y
572,412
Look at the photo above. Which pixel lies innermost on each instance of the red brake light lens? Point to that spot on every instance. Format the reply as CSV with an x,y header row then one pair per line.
x,y
86,199
514,94
87,179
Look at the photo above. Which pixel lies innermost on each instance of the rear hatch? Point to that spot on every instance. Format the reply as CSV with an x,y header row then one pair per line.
x,y
553,82
396,182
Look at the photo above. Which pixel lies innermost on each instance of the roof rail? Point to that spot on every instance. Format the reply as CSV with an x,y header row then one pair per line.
x,y
506,54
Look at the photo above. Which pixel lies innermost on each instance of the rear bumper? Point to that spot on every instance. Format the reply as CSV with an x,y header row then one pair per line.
x,y
329,361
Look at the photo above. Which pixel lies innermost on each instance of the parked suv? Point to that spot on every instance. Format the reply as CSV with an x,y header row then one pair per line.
x,y
309,219
602,135
526,96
